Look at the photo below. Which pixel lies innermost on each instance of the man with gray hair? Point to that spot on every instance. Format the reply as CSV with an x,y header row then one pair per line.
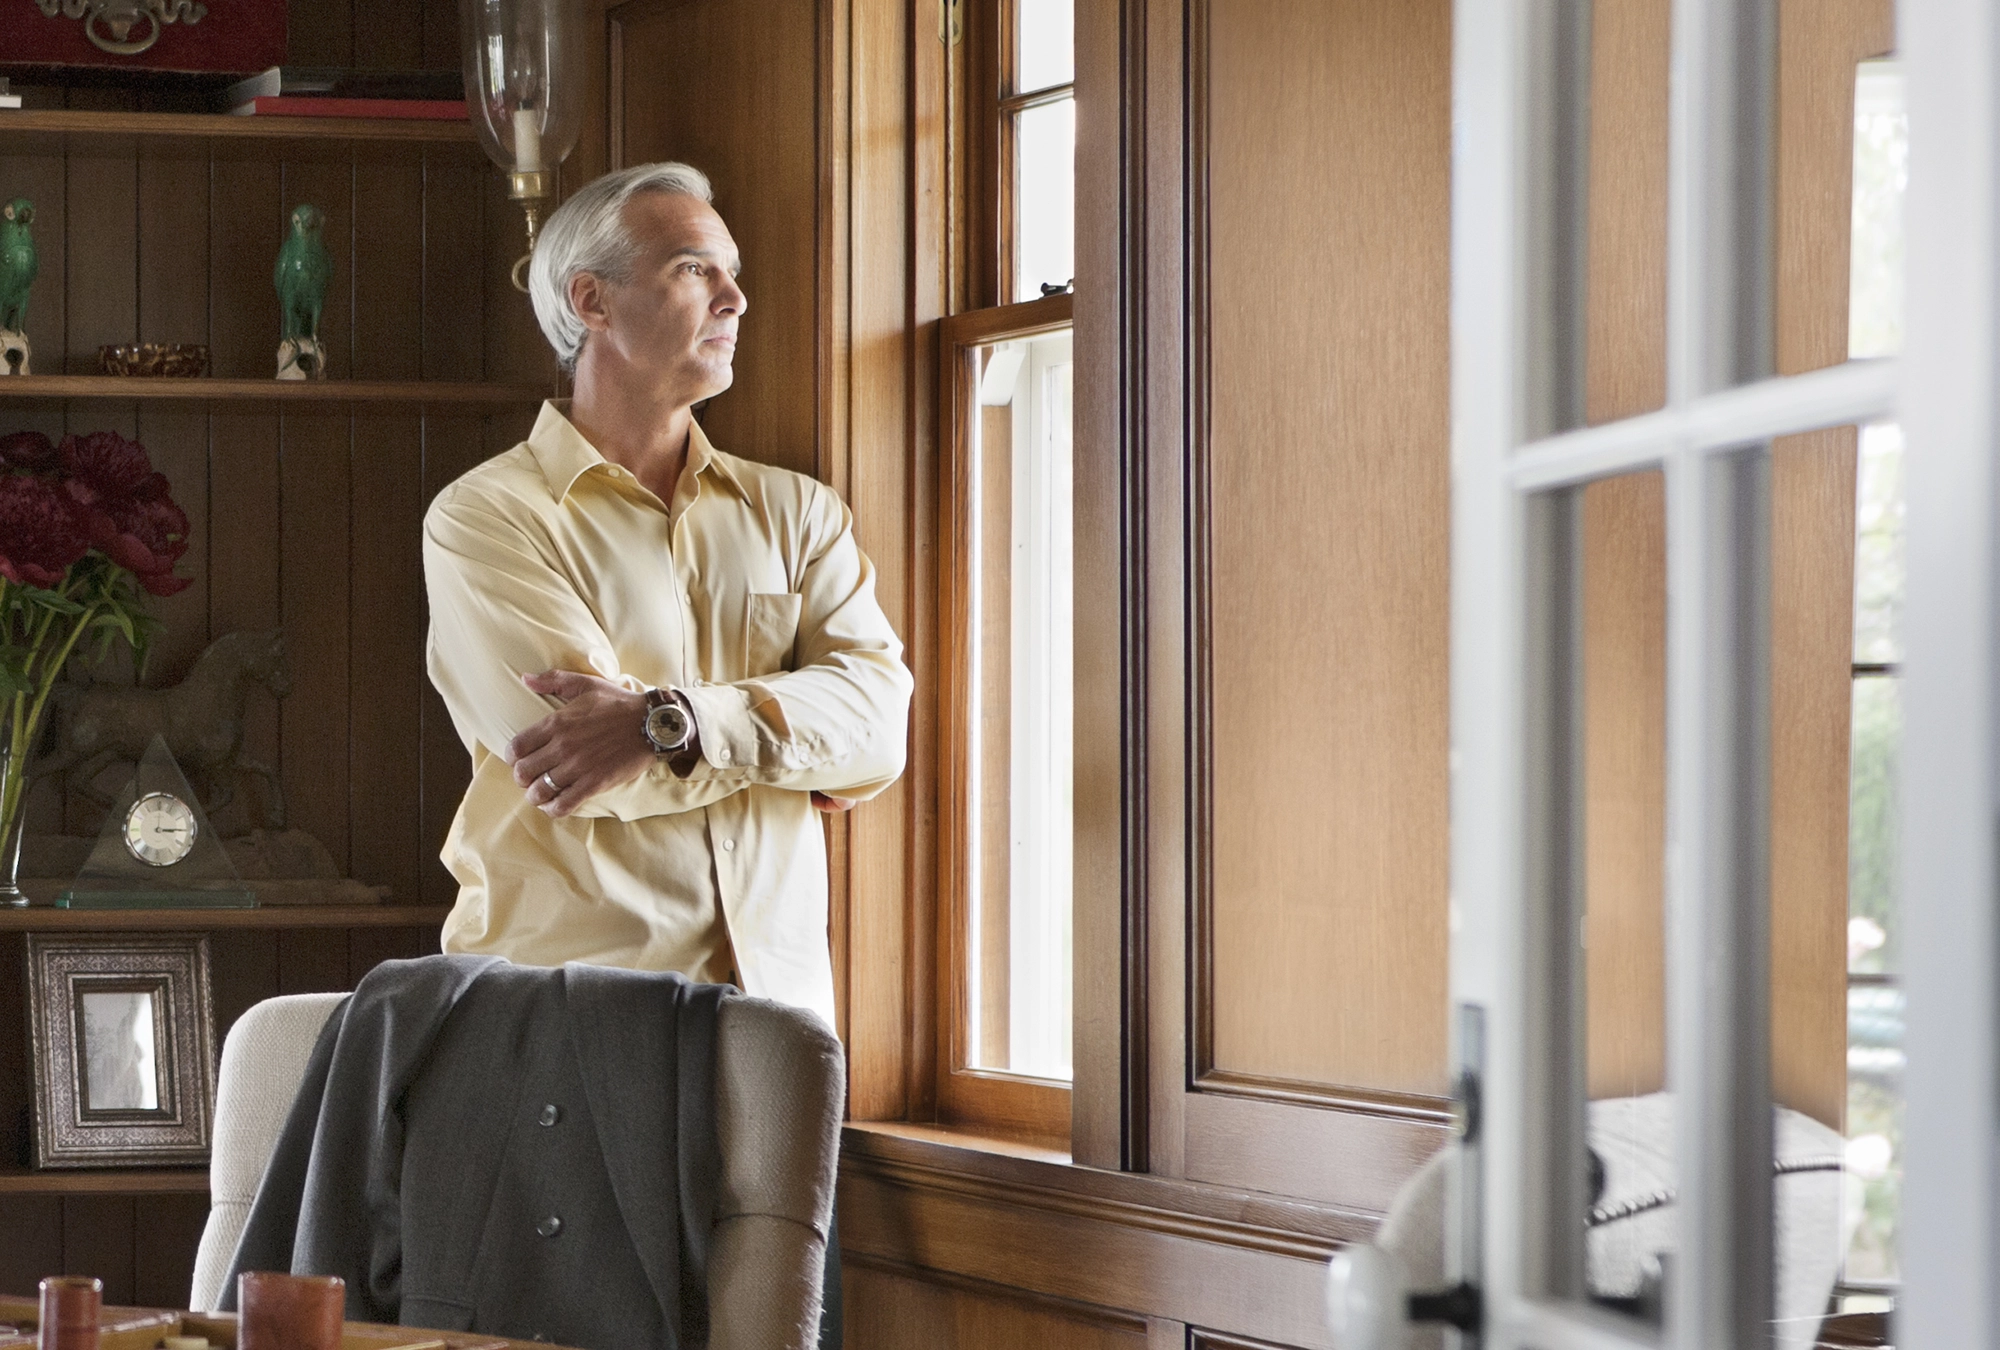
x,y
663,658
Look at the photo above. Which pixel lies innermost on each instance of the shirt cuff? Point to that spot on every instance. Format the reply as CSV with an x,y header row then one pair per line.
x,y
743,728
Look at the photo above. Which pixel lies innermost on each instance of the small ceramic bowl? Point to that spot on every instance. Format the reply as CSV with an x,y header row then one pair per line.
x,y
182,359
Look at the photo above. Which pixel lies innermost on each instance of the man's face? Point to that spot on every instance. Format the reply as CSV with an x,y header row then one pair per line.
x,y
673,324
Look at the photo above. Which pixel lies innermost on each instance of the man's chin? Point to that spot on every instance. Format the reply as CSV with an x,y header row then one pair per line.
x,y
719,380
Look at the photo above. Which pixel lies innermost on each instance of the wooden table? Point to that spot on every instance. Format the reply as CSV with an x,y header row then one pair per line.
x,y
142,1329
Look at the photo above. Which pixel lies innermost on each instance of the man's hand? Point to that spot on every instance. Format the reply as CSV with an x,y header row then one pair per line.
x,y
595,742
831,805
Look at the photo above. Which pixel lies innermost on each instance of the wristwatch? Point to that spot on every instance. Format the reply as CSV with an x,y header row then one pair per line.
x,y
669,723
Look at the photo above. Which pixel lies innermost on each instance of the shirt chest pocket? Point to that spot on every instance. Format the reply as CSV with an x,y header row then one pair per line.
x,y
770,630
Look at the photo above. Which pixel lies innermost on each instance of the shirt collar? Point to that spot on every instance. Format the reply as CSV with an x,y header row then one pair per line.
x,y
565,456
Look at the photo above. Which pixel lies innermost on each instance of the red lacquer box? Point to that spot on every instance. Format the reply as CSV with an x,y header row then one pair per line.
x,y
230,36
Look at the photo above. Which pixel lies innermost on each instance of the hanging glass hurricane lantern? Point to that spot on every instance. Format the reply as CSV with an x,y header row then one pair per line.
x,y
524,84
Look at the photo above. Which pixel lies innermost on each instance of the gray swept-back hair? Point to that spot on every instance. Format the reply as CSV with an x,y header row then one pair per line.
x,y
587,234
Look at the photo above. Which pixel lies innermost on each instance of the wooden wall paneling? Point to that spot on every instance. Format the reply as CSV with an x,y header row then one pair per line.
x,y
1110,139
15,1085
454,331
1152,1263
385,672
100,1237
833,352
592,156
388,266
1158,887
317,593
515,352
1625,558
169,1233
101,272
888,1308
247,226
243,970
243,561
1626,315
441,44
177,441
451,446
1625,783
173,224
313,961
39,178
1199,1338
34,1225
322,174
390,33
732,90
320,33
891,1026
1327,478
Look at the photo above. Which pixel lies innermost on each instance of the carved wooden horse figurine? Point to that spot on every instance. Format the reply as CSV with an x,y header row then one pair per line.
x,y
201,717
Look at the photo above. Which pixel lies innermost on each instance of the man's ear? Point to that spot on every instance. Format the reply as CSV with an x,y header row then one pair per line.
x,y
587,295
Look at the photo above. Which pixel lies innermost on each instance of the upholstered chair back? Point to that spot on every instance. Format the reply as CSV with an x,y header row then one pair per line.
x,y
780,1085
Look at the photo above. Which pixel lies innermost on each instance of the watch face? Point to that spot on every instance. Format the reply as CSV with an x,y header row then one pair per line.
x,y
667,727
159,829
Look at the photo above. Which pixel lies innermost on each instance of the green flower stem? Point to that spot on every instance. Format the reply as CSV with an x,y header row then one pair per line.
x,y
27,717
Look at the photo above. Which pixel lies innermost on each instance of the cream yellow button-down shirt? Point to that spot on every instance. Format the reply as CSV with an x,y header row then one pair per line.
x,y
747,593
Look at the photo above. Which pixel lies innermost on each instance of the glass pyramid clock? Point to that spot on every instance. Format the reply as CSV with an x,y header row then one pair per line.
x,y
156,850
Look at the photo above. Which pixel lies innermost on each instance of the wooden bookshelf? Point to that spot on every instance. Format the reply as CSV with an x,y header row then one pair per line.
x,y
41,129
48,919
284,393
110,1181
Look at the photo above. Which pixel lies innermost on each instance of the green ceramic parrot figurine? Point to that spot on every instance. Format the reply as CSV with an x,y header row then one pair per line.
x,y
302,274
18,263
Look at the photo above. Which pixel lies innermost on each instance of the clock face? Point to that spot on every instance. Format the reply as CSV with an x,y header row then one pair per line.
x,y
159,829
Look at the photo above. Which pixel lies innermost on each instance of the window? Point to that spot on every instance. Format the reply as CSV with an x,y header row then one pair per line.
x,y
1875,1055
1006,687
1028,122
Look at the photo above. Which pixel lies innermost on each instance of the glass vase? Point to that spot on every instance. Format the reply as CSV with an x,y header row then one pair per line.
x,y
13,824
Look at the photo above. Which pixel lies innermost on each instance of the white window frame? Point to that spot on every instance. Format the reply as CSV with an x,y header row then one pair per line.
x,y
1516,314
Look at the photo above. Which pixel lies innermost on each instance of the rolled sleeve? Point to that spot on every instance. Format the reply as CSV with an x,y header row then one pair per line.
x,y
838,722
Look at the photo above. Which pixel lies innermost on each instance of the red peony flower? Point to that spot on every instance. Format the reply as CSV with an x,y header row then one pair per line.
x,y
28,450
40,533
145,537
104,465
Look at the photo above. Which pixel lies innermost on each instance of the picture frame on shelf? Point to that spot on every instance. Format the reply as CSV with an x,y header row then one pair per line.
x,y
121,1034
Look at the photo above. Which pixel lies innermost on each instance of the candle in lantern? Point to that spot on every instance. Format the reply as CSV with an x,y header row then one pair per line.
x,y
527,141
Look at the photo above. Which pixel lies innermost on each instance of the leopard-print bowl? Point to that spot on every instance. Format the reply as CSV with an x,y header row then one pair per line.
x,y
179,359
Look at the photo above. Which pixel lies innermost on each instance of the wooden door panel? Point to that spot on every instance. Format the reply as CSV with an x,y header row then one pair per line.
x,y
1321,186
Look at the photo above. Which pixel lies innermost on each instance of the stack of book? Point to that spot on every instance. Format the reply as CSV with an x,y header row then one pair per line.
x,y
330,91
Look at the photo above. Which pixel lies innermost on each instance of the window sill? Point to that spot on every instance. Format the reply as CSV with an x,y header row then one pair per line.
x,y
1018,1219
1017,1173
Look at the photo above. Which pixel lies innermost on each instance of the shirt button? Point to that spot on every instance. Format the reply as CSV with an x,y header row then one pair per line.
x,y
550,1114
722,755
729,846
549,1227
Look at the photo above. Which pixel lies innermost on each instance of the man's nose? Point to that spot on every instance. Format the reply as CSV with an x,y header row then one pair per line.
x,y
731,300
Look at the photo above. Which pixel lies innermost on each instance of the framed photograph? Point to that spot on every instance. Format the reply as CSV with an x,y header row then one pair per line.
x,y
122,1037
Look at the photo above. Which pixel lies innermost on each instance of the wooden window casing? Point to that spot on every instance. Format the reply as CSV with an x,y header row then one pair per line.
x,y
1005,1102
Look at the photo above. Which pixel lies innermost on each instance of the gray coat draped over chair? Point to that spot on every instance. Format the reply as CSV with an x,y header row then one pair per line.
x,y
532,1152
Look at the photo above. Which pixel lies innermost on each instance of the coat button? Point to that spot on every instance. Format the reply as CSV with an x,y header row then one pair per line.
x,y
550,1114
549,1227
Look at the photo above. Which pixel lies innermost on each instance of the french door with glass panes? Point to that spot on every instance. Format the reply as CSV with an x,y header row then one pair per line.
x,y
1552,485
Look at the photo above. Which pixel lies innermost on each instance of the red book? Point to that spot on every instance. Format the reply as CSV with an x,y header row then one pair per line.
x,y
298,105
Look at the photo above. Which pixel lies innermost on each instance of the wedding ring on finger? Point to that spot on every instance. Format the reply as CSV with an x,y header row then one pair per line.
x,y
551,785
